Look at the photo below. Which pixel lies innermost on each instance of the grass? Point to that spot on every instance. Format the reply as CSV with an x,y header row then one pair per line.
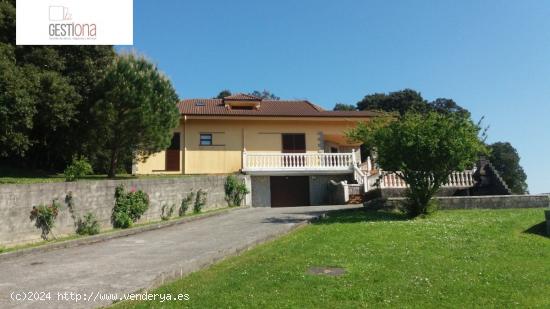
x,y
461,258
10,175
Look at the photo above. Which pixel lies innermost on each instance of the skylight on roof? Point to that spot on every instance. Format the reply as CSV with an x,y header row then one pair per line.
x,y
200,104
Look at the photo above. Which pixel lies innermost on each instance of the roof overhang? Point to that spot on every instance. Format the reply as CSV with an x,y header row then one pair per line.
x,y
280,118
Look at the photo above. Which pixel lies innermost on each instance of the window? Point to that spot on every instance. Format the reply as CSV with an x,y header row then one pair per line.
x,y
294,142
206,139
249,108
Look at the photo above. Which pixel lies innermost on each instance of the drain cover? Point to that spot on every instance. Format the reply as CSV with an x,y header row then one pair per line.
x,y
329,271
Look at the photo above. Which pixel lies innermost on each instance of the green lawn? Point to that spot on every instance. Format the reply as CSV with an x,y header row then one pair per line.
x,y
461,258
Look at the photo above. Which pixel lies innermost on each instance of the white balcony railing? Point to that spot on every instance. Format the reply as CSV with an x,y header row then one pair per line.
x,y
456,180
257,162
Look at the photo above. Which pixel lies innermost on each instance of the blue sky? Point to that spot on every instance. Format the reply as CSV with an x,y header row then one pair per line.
x,y
491,57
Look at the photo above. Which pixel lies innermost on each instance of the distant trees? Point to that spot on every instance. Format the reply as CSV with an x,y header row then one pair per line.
x,y
223,94
505,159
135,111
407,100
344,107
264,94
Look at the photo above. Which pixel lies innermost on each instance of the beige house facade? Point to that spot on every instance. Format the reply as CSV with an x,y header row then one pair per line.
x,y
287,139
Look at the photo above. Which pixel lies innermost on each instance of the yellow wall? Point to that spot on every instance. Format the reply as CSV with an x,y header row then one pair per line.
x,y
230,137
155,164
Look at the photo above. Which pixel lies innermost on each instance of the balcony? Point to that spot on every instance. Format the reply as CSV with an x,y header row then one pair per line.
x,y
257,163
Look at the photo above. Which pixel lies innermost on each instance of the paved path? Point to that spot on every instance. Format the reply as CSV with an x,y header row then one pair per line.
x,y
144,260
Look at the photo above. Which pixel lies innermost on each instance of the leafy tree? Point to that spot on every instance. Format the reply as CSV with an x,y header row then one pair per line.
x,y
17,106
365,132
56,108
424,149
223,94
344,107
7,21
70,81
505,159
85,67
136,109
265,94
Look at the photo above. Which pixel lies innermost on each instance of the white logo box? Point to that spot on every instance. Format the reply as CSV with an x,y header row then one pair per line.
x,y
74,22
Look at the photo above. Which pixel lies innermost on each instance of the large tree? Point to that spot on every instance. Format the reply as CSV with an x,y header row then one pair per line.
x,y
45,97
136,111
365,132
17,106
424,149
505,159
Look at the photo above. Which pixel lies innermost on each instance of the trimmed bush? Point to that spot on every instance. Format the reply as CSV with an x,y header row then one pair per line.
x,y
78,168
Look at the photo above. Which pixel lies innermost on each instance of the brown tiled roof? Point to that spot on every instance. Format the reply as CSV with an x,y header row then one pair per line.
x,y
283,108
242,96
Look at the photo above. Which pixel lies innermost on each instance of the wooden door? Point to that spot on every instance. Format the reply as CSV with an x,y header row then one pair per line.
x,y
172,160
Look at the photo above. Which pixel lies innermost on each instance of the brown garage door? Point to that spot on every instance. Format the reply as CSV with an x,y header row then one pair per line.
x,y
289,191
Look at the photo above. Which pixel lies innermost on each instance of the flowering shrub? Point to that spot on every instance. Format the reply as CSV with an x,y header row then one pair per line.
x,y
44,217
129,207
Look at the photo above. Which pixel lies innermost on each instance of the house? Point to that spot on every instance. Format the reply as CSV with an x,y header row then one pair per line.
x,y
291,148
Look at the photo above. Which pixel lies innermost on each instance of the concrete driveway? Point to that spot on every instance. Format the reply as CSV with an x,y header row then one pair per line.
x,y
96,272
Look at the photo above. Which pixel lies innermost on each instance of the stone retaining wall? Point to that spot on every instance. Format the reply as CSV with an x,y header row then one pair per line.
x,y
481,202
97,197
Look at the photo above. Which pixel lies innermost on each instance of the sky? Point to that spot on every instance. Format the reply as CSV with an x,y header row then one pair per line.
x,y
491,57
